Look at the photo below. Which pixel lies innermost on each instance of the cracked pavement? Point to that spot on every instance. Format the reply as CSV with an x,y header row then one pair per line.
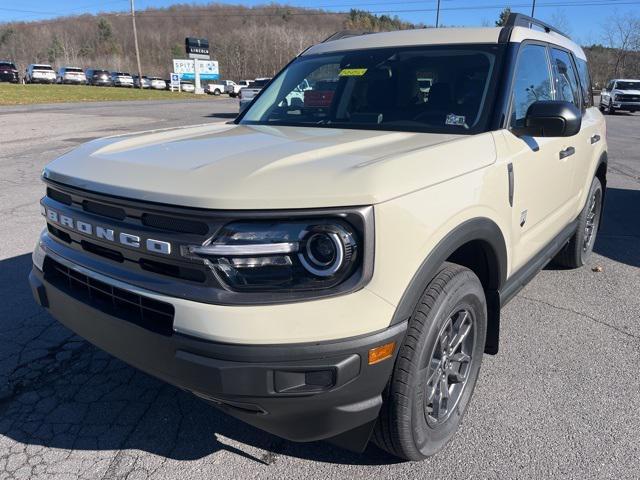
x,y
561,400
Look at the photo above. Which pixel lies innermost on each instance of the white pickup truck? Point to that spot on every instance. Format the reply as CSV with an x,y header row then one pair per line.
x,y
247,94
219,87
235,88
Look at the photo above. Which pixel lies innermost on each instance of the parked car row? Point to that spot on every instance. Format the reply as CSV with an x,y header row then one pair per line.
x,y
44,73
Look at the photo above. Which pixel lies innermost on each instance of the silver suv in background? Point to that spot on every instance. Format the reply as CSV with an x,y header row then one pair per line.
x,y
620,94
121,79
145,82
157,83
71,75
247,94
39,73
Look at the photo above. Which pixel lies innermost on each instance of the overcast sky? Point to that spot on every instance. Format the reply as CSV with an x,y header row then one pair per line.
x,y
582,19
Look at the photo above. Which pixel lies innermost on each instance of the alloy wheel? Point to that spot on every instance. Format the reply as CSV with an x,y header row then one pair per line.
x,y
593,219
448,369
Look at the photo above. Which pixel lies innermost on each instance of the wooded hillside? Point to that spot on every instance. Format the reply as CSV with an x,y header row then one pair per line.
x,y
247,42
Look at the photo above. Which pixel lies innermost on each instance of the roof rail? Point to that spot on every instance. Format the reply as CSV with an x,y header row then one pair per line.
x,y
346,34
521,20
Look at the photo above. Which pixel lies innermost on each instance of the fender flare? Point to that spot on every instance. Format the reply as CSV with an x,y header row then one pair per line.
x,y
494,245
603,162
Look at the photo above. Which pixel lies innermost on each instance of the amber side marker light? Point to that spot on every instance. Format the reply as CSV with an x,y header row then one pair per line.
x,y
378,354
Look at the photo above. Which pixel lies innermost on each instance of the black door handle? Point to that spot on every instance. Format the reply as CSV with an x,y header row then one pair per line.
x,y
567,152
595,139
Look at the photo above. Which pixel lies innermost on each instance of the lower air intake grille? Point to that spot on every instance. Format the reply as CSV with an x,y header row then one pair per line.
x,y
143,311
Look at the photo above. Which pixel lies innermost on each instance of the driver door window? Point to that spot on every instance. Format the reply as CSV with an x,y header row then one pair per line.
x,y
532,82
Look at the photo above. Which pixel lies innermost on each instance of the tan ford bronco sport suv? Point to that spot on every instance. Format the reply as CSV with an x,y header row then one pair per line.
x,y
332,264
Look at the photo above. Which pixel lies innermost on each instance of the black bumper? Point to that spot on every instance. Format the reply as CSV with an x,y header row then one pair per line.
x,y
8,77
301,392
628,107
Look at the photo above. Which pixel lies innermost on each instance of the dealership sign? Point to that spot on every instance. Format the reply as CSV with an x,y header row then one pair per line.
x,y
208,69
197,47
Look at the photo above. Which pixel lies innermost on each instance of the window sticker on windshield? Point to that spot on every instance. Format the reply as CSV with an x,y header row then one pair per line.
x,y
352,72
458,120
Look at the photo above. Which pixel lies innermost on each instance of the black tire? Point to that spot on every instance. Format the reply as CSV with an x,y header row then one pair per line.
x,y
576,253
216,92
407,426
610,109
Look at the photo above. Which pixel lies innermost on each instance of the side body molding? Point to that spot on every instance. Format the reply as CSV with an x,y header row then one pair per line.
x,y
483,230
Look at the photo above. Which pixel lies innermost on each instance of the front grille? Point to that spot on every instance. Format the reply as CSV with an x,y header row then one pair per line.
x,y
628,98
102,251
109,211
170,273
56,232
59,196
175,271
145,312
174,224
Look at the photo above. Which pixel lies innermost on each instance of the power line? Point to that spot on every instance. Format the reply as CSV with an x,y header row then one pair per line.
x,y
279,11
58,12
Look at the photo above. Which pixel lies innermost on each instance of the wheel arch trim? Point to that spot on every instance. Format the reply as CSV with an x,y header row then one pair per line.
x,y
476,229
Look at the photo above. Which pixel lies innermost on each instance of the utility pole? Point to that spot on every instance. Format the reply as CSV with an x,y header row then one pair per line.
x,y
438,15
533,8
135,40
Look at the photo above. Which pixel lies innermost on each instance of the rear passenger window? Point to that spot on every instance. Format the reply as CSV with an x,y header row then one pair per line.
x,y
566,77
585,83
532,82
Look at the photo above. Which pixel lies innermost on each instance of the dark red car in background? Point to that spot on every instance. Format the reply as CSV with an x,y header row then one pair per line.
x,y
8,72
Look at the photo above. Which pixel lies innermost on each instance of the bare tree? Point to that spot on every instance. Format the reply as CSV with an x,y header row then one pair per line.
x,y
560,20
622,36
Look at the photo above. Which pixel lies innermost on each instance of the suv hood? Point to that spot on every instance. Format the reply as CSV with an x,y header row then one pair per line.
x,y
626,92
224,166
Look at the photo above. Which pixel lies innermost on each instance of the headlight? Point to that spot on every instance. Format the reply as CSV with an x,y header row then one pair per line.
x,y
284,255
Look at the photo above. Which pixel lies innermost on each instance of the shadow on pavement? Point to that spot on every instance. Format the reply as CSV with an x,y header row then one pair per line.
x,y
229,116
59,391
619,236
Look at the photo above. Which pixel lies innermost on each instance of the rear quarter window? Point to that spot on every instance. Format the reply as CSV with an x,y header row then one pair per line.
x,y
585,82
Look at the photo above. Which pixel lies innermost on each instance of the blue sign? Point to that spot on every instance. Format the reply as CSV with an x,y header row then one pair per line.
x,y
203,76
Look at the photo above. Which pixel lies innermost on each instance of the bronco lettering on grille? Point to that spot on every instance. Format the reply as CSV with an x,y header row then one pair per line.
x,y
108,234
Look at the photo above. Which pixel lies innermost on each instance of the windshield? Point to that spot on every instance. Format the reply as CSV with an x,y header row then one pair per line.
x,y
73,70
628,85
42,67
428,89
7,65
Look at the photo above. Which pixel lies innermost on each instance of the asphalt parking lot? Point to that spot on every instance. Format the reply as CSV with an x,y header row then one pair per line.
x,y
561,400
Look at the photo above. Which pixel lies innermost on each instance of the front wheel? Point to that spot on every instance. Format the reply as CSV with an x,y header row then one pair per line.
x,y
576,253
437,366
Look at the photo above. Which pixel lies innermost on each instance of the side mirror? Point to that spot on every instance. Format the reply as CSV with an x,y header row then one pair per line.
x,y
551,118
